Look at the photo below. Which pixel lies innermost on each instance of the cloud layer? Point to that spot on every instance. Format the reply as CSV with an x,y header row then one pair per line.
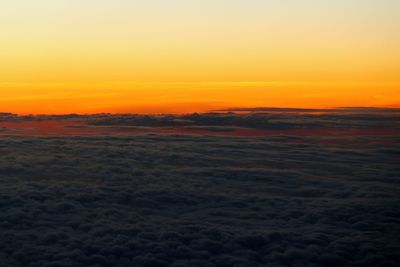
x,y
254,118
198,201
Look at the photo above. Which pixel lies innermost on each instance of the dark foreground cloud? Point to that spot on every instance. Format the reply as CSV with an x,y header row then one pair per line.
x,y
198,201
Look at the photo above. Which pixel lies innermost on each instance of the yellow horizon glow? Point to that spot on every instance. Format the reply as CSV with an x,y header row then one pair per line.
x,y
179,56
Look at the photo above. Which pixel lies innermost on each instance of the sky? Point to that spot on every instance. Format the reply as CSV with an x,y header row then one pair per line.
x,y
181,56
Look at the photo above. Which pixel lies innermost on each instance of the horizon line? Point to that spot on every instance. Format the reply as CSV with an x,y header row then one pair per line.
x,y
224,110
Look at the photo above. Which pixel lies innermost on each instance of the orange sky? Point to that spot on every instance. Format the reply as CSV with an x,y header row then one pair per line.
x,y
177,56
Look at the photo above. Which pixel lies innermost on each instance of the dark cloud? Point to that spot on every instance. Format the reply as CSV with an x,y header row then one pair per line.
x,y
314,110
198,201
256,118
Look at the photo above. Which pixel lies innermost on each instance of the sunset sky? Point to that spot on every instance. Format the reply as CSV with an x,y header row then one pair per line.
x,y
178,56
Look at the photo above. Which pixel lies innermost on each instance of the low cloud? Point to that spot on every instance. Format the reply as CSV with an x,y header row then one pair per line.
x,y
198,201
255,118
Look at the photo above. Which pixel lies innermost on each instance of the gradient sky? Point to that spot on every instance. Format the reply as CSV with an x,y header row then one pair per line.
x,y
151,56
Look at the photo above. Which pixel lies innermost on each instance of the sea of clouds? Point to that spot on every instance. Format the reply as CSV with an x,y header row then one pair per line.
x,y
198,201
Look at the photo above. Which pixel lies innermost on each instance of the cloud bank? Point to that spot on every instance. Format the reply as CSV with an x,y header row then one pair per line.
x,y
183,201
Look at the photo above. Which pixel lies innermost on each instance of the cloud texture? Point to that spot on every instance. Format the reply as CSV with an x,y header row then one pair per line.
x,y
198,201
